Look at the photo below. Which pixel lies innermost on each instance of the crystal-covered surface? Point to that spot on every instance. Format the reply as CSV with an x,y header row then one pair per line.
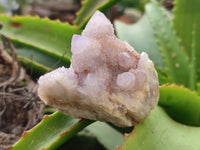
x,y
107,81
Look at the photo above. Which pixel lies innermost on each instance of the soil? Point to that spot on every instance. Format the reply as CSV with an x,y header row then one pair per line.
x,y
20,107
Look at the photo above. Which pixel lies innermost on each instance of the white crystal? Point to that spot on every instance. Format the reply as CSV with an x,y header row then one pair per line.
x,y
99,25
143,62
55,79
82,49
108,80
79,44
140,76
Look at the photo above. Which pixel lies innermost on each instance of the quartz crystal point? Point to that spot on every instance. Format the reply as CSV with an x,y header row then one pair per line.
x,y
107,80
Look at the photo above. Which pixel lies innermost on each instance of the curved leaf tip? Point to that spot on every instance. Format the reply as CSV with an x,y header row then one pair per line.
x,y
181,104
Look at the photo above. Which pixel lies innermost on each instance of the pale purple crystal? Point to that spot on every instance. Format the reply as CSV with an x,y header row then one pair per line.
x,y
126,81
127,61
107,80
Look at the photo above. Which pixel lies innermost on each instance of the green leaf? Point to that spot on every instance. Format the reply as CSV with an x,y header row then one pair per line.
x,y
36,55
175,59
186,15
37,62
51,132
140,36
162,77
89,7
181,104
106,135
193,68
160,132
40,43
198,89
51,37
2,9
34,69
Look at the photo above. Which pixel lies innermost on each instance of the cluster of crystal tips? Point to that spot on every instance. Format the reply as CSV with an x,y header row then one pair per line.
x,y
107,81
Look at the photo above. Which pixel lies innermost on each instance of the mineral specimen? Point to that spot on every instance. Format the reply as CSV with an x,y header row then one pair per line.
x,y
107,80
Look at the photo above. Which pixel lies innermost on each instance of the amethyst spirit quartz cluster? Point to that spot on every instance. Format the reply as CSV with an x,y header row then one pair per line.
x,y
107,80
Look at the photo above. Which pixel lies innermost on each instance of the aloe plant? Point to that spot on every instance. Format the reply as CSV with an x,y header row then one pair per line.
x,y
51,131
181,101
171,42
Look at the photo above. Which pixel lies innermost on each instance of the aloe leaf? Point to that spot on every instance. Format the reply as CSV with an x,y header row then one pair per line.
x,y
106,135
193,71
181,104
40,43
162,77
175,59
36,55
186,15
34,69
27,58
51,132
89,7
52,37
160,132
198,89
36,61
140,36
